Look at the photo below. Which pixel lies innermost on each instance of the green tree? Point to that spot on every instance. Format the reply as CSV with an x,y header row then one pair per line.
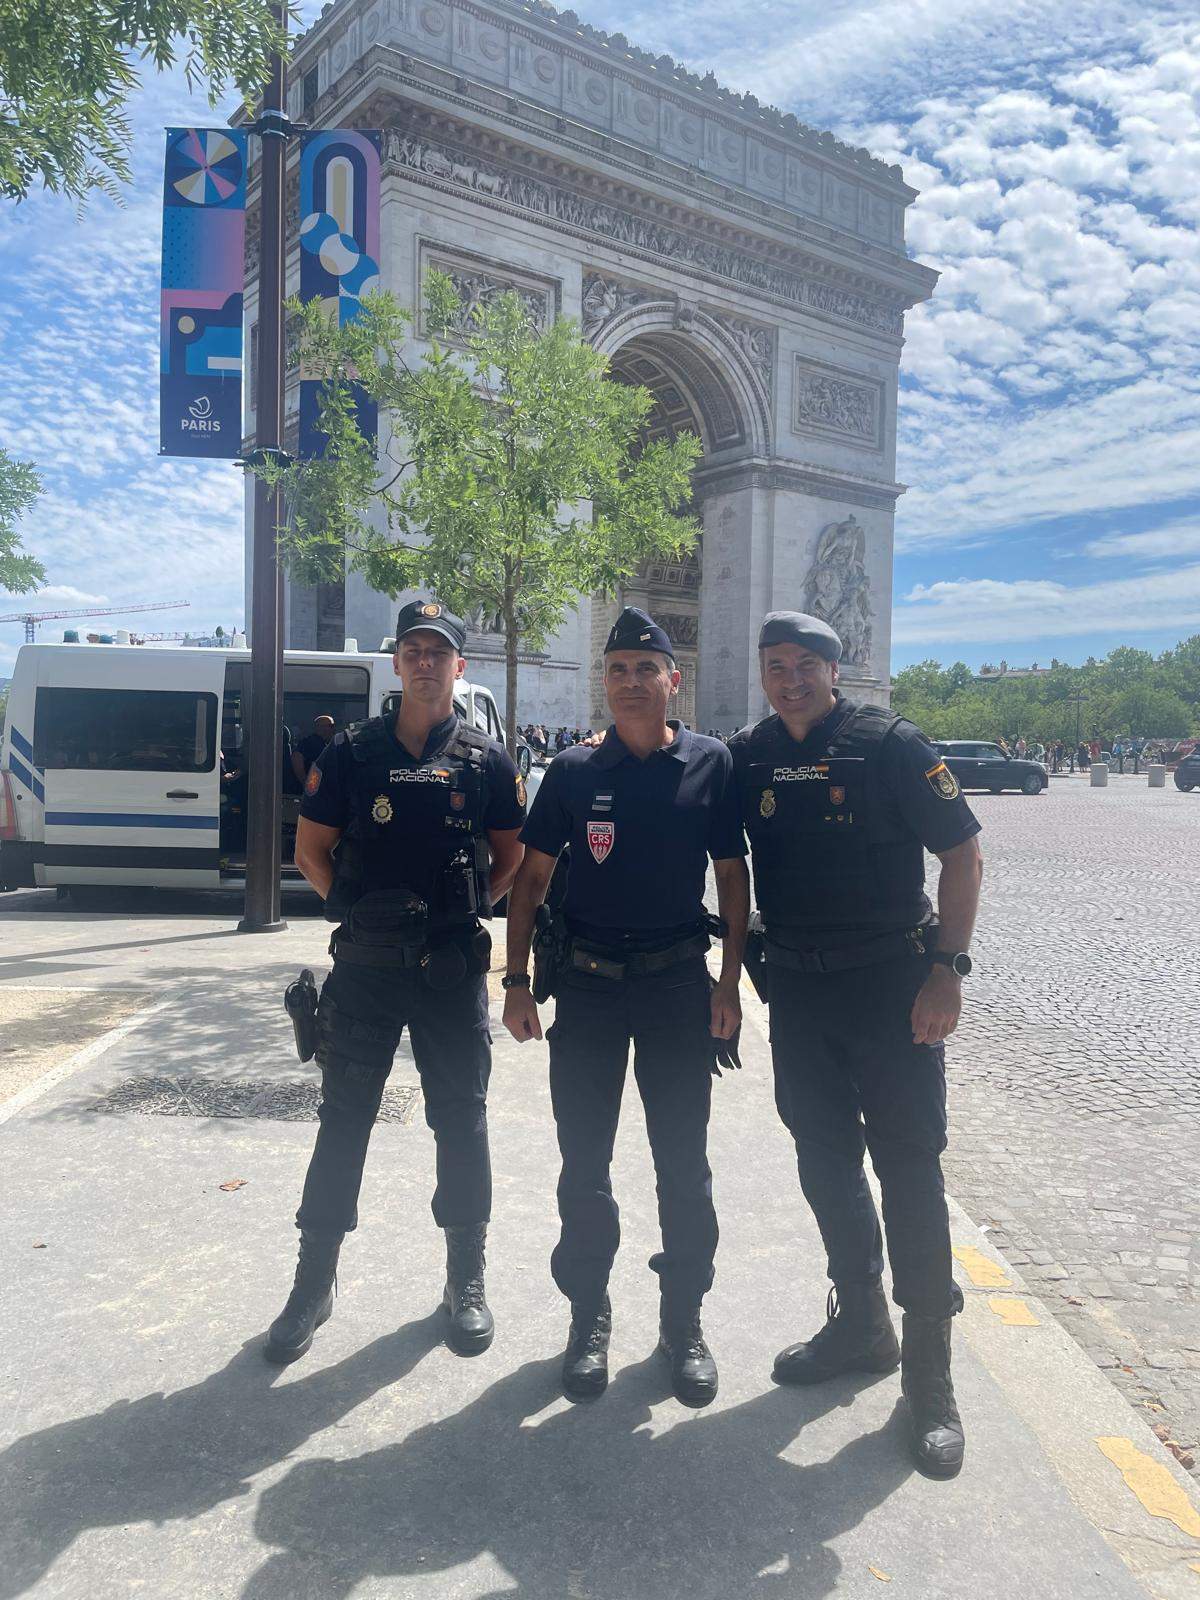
x,y
514,478
68,67
1146,711
19,488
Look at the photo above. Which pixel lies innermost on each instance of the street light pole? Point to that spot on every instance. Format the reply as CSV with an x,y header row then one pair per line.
x,y
264,819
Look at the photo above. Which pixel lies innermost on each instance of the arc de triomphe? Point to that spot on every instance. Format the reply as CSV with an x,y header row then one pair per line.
x,y
749,270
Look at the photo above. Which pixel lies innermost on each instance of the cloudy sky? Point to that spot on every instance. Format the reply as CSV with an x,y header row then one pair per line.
x,y
1050,405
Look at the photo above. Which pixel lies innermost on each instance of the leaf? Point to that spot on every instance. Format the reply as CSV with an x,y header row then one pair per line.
x,y
38,1245
233,1183
878,1572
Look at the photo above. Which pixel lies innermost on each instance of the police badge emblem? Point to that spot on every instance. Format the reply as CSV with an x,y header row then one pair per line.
x,y
457,800
766,806
600,837
431,611
381,809
837,794
521,792
943,782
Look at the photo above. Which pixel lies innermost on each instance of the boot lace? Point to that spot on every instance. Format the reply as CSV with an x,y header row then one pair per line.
x,y
829,1332
469,1296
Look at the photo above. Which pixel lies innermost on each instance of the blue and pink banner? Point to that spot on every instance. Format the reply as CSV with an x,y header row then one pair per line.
x,y
204,228
339,249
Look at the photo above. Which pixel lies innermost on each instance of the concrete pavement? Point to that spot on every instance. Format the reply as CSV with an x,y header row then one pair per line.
x,y
146,1448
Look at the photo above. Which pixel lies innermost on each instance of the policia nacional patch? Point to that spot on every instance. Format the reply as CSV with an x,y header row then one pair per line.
x,y
943,782
381,811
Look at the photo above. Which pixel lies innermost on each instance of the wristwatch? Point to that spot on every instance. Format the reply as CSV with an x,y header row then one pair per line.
x,y
515,980
959,962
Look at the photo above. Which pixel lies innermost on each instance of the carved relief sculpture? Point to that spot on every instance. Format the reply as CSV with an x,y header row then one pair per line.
x,y
825,403
838,590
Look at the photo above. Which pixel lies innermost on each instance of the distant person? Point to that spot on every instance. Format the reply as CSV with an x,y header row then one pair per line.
x,y
311,746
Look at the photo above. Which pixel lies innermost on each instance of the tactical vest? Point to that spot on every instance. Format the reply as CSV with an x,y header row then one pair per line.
x,y
827,852
407,821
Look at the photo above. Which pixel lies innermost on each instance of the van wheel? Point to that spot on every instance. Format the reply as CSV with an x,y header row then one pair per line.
x,y
96,896
996,789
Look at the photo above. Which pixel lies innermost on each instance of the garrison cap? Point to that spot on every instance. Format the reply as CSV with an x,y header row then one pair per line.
x,y
431,614
797,627
637,630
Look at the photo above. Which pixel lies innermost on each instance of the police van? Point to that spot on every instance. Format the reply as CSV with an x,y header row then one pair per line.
x,y
127,765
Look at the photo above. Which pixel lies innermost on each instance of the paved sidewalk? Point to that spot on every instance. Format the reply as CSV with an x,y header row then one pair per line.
x,y
146,1448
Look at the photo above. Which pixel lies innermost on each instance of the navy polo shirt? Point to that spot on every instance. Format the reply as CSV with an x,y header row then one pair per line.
x,y
641,832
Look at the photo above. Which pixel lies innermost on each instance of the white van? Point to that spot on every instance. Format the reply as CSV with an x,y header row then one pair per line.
x,y
125,764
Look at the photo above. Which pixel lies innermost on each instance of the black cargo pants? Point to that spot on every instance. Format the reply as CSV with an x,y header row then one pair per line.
x,y
362,1014
848,1078
666,1016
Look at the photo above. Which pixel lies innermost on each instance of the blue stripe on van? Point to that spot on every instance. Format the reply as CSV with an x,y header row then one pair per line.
x,y
23,775
21,743
118,819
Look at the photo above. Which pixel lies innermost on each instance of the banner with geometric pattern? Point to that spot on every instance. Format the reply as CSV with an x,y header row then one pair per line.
x,y
203,271
339,249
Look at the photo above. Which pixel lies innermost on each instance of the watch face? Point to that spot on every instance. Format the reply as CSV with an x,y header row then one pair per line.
x,y
962,965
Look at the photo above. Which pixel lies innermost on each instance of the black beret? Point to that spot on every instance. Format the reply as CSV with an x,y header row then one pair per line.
x,y
637,630
433,615
796,627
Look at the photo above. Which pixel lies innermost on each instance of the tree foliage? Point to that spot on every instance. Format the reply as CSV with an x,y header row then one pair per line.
x,y
67,68
19,488
515,478
1129,694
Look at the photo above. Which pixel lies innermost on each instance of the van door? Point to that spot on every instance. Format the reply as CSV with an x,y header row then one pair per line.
x,y
129,745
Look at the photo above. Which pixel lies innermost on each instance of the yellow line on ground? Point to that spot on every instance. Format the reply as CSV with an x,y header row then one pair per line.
x,y
983,1272
1013,1313
1152,1484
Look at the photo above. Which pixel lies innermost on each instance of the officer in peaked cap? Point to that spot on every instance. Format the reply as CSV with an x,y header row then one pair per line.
x,y
841,800
642,813
409,828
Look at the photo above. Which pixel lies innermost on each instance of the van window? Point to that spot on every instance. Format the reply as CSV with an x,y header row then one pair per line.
x,y
125,730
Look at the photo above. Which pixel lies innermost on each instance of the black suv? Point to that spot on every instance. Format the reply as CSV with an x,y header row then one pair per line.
x,y
1187,773
978,764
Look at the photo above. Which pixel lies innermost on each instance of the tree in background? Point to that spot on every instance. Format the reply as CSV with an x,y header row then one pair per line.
x,y
515,479
19,488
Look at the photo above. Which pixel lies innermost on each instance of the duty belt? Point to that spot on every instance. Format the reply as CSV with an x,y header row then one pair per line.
x,y
637,963
387,955
887,947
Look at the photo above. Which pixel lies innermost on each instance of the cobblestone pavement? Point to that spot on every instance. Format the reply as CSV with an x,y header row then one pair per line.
x,y
1075,1076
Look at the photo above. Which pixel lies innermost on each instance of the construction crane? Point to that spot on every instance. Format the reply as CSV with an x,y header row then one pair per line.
x,y
32,618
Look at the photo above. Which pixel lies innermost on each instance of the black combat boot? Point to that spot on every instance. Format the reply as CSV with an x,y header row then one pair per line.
x,y
585,1361
471,1324
857,1337
693,1370
311,1300
935,1427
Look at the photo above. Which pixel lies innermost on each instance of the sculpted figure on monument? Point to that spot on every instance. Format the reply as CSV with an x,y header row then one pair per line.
x,y
838,591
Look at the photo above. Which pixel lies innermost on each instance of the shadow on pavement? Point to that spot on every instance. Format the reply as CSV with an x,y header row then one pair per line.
x,y
591,1501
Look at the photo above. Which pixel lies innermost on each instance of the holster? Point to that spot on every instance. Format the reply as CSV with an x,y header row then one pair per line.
x,y
300,1003
754,958
550,939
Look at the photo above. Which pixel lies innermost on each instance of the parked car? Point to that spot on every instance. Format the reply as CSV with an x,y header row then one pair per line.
x,y
981,765
1187,773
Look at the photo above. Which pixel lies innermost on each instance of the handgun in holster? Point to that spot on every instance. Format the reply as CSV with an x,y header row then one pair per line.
x,y
754,958
550,939
300,1003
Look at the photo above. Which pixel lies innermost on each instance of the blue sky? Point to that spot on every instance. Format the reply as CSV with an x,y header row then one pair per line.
x,y
1050,408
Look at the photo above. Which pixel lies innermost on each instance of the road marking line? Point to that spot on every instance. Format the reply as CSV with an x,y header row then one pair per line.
x,y
81,1058
1013,1313
1153,1485
983,1272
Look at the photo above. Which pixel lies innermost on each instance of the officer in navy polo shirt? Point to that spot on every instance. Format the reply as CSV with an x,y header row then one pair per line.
x,y
642,813
408,830
841,800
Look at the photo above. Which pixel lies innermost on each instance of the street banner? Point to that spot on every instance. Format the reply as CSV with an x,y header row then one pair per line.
x,y
204,228
339,249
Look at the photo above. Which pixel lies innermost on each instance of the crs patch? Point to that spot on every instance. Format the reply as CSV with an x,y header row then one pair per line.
x,y
521,793
943,782
313,782
600,836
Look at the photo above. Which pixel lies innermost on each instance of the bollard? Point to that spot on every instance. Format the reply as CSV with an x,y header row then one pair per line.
x,y
1158,776
1099,775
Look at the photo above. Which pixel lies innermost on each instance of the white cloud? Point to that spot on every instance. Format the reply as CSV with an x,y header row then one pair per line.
x,y
989,610
1172,541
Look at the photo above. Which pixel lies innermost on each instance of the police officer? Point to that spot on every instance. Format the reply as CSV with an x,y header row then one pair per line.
x,y
424,814
642,813
840,801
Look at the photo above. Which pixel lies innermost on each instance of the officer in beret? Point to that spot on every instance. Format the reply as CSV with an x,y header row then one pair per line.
x,y
409,829
840,801
642,812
